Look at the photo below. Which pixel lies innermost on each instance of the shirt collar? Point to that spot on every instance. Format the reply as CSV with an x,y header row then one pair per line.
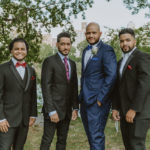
x,y
62,56
95,45
14,60
128,54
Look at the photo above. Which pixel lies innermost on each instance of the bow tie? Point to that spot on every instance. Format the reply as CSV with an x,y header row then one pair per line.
x,y
89,47
18,64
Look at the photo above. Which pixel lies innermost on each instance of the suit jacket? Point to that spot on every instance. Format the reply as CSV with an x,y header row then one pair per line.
x,y
98,77
132,90
18,101
58,93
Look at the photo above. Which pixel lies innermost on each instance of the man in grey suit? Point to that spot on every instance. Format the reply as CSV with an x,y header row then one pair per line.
x,y
18,102
60,94
131,102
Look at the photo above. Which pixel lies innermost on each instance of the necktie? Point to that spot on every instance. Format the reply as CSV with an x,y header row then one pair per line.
x,y
66,67
18,64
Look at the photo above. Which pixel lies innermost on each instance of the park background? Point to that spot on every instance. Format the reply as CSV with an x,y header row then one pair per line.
x,y
39,22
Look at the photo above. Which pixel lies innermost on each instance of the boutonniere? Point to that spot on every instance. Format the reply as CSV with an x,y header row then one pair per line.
x,y
94,50
33,78
129,67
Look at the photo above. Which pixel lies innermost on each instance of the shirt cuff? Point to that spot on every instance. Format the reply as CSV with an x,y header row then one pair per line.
x,y
52,113
32,117
2,120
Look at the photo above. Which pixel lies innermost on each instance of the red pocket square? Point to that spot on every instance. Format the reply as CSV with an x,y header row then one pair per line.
x,y
129,67
33,78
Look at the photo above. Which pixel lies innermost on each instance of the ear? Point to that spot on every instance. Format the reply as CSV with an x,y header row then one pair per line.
x,y
100,34
135,43
57,44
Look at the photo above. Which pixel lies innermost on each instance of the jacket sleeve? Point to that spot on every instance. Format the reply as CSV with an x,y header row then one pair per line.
x,y
34,96
110,68
2,82
143,82
75,90
46,82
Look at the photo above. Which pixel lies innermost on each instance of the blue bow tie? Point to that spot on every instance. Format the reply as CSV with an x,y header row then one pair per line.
x,y
89,47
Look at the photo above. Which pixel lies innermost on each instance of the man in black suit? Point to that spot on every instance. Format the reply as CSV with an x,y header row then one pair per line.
x,y
18,103
60,94
131,103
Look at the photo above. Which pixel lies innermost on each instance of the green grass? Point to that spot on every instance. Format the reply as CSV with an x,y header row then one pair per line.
x,y
77,139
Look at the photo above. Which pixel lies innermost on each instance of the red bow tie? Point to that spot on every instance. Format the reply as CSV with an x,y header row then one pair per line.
x,y
18,64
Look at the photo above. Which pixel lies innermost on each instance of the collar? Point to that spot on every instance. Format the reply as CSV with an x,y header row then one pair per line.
x,y
128,54
15,61
96,44
62,56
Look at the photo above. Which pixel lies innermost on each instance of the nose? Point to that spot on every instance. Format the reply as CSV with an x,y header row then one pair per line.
x,y
66,46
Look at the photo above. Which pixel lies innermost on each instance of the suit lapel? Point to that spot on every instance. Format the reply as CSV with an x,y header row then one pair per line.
x,y
71,67
16,74
28,78
128,61
98,46
61,65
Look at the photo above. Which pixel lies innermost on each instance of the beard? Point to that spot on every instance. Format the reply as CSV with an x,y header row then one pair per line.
x,y
127,51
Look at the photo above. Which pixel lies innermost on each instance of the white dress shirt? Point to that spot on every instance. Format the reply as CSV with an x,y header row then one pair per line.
x,y
124,60
20,69
88,54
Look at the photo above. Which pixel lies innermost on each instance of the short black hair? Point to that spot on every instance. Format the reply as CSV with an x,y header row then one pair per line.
x,y
11,45
127,30
63,34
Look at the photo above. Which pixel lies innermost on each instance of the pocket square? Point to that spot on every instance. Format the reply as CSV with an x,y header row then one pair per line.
x,y
33,78
129,67
95,58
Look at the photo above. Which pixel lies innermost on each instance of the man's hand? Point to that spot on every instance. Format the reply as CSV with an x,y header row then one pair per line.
x,y
115,115
32,121
130,115
99,103
4,125
74,114
54,118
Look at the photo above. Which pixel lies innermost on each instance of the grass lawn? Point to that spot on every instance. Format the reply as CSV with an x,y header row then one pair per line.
x,y
77,139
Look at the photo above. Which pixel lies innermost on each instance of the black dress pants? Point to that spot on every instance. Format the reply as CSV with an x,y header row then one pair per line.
x,y
15,137
134,134
62,128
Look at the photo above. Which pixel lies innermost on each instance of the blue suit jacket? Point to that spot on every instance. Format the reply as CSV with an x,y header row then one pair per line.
x,y
98,78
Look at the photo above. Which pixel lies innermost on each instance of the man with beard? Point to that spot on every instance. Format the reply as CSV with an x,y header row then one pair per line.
x,y
18,102
97,79
131,102
60,94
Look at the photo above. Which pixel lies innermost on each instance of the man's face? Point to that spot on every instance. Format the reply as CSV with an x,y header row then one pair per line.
x,y
19,51
92,34
64,45
127,42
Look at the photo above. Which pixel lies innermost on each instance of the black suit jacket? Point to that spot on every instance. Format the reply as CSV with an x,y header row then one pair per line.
x,y
58,94
17,101
132,90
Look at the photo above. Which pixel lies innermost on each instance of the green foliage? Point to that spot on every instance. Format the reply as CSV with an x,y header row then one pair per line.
x,y
81,46
137,5
45,51
113,40
28,19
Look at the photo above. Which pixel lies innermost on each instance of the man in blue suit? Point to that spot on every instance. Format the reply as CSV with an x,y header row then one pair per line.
x,y
98,76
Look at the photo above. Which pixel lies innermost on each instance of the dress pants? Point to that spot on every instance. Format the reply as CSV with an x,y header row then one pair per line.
x,y
15,137
62,128
94,120
134,134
